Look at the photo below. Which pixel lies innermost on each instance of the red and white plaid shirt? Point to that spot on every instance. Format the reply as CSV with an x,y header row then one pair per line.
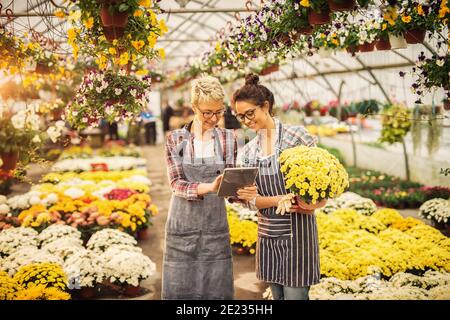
x,y
176,153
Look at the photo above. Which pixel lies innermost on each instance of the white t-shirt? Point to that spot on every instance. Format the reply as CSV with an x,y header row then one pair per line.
x,y
204,149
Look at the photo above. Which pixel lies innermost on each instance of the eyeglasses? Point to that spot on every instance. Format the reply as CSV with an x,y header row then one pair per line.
x,y
250,115
210,114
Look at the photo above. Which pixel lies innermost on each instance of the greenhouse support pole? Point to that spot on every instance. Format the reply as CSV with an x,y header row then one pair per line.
x,y
349,125
408,177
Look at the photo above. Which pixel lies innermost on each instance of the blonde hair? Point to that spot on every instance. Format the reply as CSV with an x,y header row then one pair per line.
x,y
206,88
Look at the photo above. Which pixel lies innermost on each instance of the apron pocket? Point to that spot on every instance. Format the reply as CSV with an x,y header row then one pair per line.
x,y
215,246
182,246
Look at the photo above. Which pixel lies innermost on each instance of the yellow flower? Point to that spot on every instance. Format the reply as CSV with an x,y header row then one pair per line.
x,y
60,14
406,19
142,72
304,3
151,40
124,58
390,15
112,51
138,13
162,26
89,23
383,26
218,47
420,10
162,53
145,3
138,44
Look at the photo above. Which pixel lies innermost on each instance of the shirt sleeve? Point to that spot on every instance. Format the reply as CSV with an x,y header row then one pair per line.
x,y
177,179
304,137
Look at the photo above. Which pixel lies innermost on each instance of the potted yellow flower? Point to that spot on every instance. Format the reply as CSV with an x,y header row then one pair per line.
x,y
313,174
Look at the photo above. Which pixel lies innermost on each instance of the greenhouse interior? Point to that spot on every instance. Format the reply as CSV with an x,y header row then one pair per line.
x,y
123,123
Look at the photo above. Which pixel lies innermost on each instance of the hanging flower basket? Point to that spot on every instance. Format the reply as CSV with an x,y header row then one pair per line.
x,y
447,104
10,160
325,53
383,44
42,68
112,33
366,47
352,49
269,69
341,5
397,42
114,19
415,36
319,18
308,30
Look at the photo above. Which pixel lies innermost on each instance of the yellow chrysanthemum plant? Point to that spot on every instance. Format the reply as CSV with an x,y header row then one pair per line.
x,y
50,275
122,32
41,292
313,174
8,287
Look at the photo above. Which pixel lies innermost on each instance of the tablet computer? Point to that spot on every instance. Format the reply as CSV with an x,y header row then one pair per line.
x,y
236,178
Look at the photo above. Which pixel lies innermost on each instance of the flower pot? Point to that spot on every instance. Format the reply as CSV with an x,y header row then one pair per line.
x,y
131,291
325,53
397,42
269,69
115,19
318,18
366,47
352,50
143,234
10,160
415,36
383,44
305,30
88,292
42,68
447,104
112,33
341,5
239,250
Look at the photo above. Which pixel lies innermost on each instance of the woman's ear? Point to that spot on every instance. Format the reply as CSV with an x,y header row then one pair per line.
x,y
266,106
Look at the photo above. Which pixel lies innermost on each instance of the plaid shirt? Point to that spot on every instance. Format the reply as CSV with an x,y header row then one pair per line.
x,y
180,148
291,136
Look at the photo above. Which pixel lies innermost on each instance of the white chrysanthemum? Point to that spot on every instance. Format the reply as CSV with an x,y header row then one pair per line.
x,y
84,268
127,266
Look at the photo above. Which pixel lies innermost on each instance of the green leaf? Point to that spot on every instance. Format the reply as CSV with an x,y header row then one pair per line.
x,y
123,7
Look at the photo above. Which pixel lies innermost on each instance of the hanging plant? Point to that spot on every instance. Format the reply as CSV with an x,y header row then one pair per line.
x,y
396,122
431,74
110,96
120,32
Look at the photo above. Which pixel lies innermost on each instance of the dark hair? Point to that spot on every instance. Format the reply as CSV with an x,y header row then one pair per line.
x,y
254,92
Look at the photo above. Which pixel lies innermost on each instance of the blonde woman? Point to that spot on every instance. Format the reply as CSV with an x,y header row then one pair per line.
x,y
197,260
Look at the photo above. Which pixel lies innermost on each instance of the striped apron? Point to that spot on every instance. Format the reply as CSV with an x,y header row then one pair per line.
x,y
287,251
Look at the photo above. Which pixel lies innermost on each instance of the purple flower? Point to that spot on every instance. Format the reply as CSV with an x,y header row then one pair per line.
x,y
402,74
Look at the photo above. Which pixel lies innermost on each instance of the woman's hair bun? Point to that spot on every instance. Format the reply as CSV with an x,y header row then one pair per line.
x,y
251,79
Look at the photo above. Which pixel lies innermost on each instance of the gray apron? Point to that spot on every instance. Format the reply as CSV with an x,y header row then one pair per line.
x,y
197,260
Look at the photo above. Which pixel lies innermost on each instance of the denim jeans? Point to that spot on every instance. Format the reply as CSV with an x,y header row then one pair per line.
x,y
280,292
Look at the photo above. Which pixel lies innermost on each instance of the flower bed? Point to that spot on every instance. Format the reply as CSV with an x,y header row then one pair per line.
x,y
29,271
392,192
243,232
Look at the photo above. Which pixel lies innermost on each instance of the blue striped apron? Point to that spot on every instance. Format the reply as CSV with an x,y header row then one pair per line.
x,y
287,251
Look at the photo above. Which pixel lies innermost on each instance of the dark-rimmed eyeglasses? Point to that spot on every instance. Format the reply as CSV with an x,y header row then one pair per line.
x,y
249,115
209,114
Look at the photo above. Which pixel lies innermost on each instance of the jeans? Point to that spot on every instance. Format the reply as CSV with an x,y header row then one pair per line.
x,y
280,292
